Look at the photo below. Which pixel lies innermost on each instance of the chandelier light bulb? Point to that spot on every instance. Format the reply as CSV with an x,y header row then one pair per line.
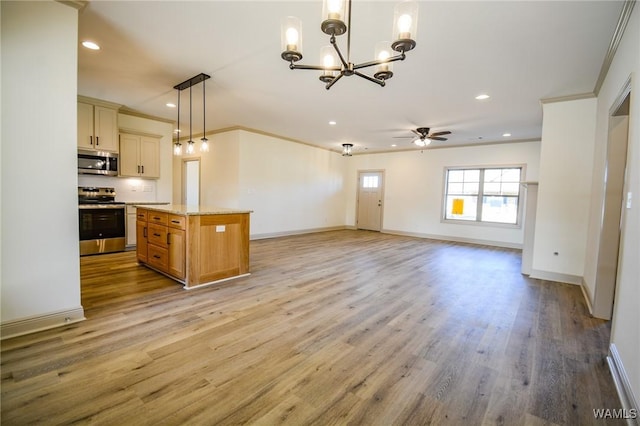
x,y
334,7
292,39
328,60
404,26
190,148
204,145
177,149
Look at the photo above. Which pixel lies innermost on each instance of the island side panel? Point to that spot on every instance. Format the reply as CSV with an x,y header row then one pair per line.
x,y
218,246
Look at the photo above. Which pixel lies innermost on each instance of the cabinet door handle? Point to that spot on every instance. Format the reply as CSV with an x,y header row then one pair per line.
x,y
156,256
97,140
142,169
90,140
168,238
155,234
144,232
175,221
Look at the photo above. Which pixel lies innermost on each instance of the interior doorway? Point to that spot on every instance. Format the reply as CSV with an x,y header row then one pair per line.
x,y
370,196
613,207
191,181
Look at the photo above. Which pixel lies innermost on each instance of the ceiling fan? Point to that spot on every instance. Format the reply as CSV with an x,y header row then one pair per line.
x,y
424,137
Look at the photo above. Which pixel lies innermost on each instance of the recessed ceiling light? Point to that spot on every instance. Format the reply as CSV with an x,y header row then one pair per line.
x,y
482,97
506,135
90,45
170,105
332,123
394,145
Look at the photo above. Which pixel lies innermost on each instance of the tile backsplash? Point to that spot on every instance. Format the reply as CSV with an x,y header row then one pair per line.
x,y
127,189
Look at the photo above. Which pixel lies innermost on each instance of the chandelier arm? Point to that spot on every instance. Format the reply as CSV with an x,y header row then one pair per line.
x,y
371,79
334,81
400,57
335,46
313,67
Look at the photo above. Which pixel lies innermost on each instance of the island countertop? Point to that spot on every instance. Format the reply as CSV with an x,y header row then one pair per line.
x,y
192,210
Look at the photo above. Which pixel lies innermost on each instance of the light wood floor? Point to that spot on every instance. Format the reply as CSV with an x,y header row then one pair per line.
x,y
345,327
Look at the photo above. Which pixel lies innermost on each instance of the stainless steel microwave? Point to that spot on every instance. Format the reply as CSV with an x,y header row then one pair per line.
x,y
97,163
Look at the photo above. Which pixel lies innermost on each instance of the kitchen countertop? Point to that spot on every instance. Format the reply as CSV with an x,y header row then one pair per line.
x,y
134,203
188,210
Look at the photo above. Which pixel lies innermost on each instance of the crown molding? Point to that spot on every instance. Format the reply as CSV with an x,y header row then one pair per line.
x,y
567,98
76,4
623,20
134,113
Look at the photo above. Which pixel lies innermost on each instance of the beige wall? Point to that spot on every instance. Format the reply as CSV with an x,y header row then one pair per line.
x,y
39,235
625,334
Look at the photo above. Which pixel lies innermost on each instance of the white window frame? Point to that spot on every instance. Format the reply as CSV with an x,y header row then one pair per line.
x,y
479,221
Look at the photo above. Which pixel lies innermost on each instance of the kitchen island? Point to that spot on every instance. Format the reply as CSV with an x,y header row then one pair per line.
x,y
194,245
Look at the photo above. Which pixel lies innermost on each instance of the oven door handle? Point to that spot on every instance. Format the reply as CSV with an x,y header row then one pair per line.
x,y
100,206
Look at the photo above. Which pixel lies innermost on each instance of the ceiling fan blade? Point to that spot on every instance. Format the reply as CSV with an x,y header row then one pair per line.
x,y
404,137
436,138
446,132
416,132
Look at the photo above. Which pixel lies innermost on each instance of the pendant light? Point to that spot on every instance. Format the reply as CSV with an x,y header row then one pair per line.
x,y
190,147
177,146
204,145
346,149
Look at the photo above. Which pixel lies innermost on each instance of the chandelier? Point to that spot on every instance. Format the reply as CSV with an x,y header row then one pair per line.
x,y
336,16
204,145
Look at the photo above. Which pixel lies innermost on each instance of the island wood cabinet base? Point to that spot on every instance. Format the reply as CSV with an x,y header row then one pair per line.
x,y
193,249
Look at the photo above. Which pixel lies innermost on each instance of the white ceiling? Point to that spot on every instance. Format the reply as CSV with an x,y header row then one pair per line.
x,y
519,52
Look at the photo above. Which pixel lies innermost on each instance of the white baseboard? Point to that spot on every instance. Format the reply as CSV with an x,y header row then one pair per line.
x,y
33,324
623,386
555,276
455,239
586,295
295,232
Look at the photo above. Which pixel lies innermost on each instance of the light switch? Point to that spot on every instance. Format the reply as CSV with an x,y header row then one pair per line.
x,y
220,228
629,199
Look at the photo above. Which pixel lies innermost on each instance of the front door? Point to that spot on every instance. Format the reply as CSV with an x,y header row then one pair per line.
x,y
370,200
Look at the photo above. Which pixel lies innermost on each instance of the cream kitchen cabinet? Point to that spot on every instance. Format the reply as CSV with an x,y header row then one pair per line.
x,y
97,127
139,156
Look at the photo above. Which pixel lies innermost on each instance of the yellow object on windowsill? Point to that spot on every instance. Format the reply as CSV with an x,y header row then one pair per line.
x,y
458,206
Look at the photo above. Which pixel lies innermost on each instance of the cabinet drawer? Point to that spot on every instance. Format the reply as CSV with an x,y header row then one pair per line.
x,y
158,257
141,215
157,234
178,222
157,217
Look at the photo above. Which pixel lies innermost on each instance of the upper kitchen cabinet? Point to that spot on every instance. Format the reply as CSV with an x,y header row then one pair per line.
x,y
139,155
97,125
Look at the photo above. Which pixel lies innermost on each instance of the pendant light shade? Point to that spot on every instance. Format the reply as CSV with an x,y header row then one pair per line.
x,y
346,149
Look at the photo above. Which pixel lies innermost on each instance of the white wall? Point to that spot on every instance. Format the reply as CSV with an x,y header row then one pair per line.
x,y
625,333
564,191
289,186
39,236
414,184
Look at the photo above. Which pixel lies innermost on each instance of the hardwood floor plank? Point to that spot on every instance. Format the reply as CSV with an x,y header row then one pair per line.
x,y
340,327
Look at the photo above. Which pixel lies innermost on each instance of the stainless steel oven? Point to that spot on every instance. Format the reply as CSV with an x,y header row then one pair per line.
x,y
101,221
